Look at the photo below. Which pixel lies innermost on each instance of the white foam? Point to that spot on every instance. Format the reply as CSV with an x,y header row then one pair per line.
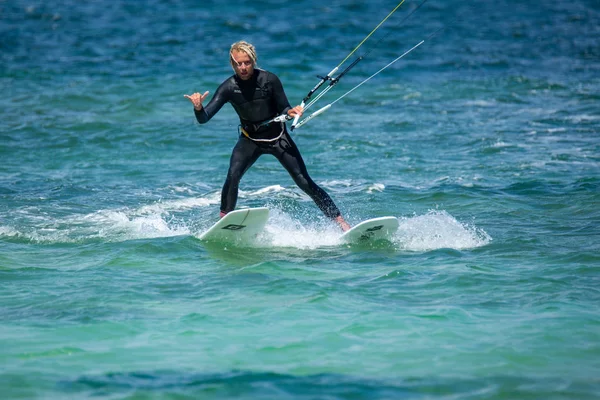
x,y
338,182
283,230
500,144
179,204
112,225
118,226
583,118
439,230
268,189
376,187
432,231
9,231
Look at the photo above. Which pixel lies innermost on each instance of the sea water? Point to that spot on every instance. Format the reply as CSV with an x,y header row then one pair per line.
x,y
484,142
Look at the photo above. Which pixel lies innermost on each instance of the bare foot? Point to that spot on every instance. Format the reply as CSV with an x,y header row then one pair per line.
x,y
342,223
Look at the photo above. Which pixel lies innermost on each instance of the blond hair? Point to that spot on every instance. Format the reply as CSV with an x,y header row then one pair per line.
x,y
246,48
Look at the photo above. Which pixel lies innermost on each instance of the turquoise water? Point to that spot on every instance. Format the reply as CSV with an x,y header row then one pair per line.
x,y
484,142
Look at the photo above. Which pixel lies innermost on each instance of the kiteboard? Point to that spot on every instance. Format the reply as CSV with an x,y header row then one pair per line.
x,y
382,228
238,226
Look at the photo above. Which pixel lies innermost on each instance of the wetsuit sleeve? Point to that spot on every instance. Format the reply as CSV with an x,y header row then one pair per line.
x,y
220,97
281,101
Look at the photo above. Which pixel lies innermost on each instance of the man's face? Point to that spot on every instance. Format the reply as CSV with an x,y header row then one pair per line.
x,y
242,64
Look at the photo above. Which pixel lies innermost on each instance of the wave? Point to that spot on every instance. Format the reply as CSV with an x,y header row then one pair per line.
x,y
267,384
432,231
157,220
288,226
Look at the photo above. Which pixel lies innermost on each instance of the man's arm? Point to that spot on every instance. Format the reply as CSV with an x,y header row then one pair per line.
x,y
205,113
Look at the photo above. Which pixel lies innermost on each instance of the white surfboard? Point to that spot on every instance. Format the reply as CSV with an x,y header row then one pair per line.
x,y
238,226
372,229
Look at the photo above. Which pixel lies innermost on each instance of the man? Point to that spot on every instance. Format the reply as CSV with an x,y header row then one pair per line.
x,y
257,96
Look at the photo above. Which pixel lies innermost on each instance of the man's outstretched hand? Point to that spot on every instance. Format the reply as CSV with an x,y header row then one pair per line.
x,y
197,99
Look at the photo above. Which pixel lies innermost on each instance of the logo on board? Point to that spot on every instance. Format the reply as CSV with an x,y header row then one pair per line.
x,y
233,227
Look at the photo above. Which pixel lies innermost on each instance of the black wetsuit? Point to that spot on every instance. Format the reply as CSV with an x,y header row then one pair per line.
x,y
259,99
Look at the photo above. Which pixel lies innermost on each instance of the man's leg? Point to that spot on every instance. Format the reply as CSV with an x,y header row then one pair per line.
x,y
289,156
244,154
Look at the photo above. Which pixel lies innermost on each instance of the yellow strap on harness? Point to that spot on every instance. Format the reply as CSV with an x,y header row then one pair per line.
x,y
245,133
